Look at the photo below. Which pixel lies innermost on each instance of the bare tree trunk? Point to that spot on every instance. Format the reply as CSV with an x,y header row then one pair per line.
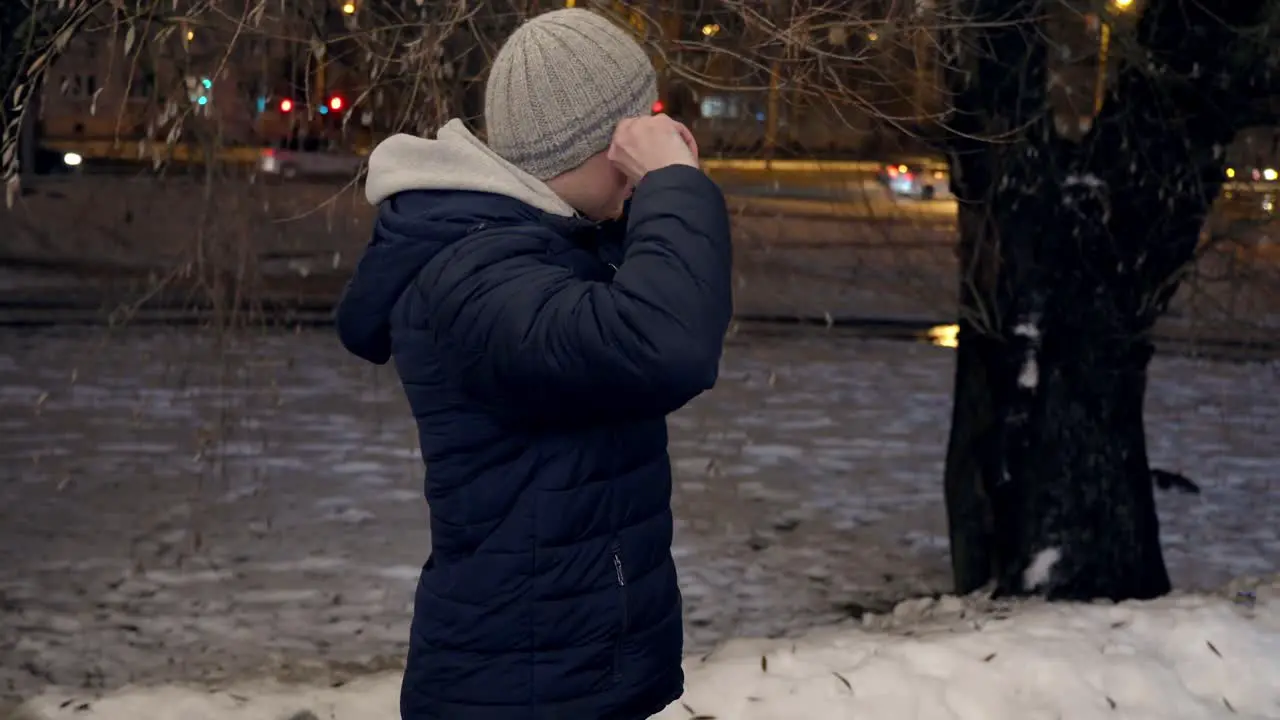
x,y
1070,251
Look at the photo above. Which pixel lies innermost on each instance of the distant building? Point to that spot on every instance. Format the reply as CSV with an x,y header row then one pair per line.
x,y
819,97
90,93
242,86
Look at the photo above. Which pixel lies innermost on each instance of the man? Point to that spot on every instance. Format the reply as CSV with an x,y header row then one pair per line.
x,y
541,347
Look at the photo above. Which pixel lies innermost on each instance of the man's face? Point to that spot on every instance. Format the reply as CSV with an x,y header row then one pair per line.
x,y
605,189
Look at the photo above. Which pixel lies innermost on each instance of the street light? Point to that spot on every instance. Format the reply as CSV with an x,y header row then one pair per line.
x,y
349,8
947,336
710,29
1123,4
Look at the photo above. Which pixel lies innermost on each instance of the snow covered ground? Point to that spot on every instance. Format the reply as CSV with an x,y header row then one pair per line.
x,y
1178,658
168,517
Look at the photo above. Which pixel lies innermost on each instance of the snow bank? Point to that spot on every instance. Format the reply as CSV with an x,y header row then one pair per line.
x,y
1178,658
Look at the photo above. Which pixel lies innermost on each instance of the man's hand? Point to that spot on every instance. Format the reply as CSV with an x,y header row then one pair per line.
x,y
644,144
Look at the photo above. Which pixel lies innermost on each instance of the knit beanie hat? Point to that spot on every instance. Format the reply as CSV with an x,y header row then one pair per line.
x,y
559,87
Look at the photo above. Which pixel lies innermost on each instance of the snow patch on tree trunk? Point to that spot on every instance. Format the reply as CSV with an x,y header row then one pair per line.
x,y
1040,571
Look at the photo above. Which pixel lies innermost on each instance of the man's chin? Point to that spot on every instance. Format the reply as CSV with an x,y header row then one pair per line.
x,y
615,214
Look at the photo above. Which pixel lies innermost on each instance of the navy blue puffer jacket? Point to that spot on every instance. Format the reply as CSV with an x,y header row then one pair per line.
x,y
540,354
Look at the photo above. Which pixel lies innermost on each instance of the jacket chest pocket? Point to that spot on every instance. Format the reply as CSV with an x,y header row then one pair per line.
x,y
624,612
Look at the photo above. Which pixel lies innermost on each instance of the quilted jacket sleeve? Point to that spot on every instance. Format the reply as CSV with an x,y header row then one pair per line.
x,y
536,344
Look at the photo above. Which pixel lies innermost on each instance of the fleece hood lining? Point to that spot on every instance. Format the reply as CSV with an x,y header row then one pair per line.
x,y
454,160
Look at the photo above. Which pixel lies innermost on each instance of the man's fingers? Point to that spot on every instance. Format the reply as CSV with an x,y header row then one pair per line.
x,y
688,138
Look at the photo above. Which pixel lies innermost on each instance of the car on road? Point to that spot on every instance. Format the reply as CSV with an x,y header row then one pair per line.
x,y
1255,174
309,159
919,181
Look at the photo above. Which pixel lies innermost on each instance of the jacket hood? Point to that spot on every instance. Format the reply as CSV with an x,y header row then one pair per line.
x,y
455,160
430,194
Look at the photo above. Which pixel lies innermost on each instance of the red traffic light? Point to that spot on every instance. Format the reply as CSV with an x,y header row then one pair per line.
x,y
335,103
286,105
658,107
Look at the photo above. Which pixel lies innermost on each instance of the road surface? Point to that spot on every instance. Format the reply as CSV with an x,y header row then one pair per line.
x,y
874,207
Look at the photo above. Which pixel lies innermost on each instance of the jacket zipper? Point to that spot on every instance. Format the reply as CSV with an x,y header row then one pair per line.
x,y
623,611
